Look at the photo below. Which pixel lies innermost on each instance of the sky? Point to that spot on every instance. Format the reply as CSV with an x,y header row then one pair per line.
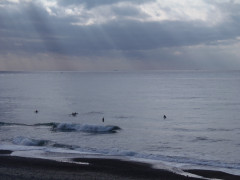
x,y
108,35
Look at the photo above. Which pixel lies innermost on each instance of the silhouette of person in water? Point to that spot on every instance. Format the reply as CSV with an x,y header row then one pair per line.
x,y
103,119
36,111
164,116
74,114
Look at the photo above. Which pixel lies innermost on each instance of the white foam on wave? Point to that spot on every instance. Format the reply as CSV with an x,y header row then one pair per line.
x,y
20,140
85,128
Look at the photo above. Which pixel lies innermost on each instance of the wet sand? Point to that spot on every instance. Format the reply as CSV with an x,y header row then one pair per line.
x,y
14,168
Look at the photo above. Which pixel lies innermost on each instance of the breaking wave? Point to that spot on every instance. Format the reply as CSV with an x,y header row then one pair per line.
x,y
20,140
70,127
84,128
25,141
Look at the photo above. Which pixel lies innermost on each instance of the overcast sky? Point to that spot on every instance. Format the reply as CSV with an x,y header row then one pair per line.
x,y
106,35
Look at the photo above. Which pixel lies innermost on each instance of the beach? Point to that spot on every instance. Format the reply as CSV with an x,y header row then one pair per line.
x,y
14,168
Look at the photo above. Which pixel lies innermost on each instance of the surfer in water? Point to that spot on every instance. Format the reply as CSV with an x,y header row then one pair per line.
x,y
74,114
103,119
164,116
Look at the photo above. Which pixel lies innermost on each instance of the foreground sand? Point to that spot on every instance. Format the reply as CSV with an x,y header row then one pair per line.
x,y
14,168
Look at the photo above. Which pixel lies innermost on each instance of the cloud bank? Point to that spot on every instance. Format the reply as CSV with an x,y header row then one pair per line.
x,y
91,35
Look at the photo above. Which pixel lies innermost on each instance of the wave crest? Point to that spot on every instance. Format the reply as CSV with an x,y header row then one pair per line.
x,y
85,128
29,142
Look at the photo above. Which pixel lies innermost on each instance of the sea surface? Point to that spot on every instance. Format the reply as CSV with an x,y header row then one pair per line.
x,y
202,128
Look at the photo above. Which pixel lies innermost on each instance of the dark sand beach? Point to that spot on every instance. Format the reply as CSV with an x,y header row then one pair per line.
x,y
12,168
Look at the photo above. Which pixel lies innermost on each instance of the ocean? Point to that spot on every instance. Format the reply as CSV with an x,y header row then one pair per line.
x,y
201,128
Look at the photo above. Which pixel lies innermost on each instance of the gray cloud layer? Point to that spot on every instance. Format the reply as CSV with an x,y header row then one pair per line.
x,y
94,3
120,34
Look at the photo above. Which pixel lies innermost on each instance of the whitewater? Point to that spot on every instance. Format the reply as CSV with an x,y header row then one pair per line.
x,y
201,128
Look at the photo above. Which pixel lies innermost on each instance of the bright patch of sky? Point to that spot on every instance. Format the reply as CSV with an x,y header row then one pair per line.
x,y
160,10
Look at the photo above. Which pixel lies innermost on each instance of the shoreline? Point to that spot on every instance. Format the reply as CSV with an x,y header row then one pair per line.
x,y
14,167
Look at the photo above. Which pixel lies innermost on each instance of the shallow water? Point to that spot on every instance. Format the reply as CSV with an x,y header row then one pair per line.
x,y
202,127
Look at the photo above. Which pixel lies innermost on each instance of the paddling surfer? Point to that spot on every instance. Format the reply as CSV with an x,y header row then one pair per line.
x,y
74,114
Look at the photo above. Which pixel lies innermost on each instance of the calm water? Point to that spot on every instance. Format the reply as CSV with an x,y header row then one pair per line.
x,y
202,128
